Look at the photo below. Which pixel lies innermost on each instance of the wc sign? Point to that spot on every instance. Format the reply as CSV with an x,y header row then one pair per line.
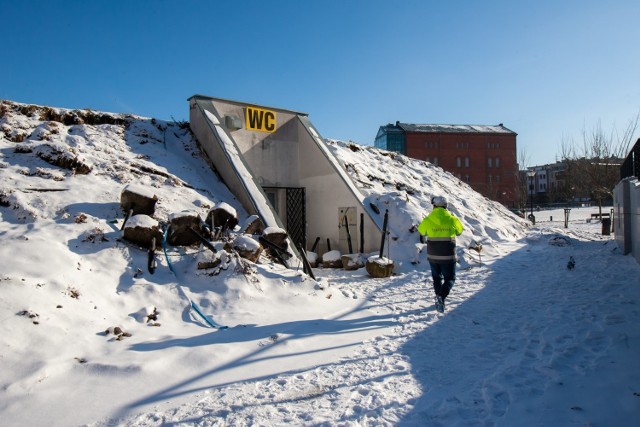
x,y
260,120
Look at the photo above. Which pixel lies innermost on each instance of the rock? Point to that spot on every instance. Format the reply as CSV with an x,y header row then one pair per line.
x,y
138,198
247,247
179,228
332,259
61,156
253,225
141,229
207,259
379,267
223,215
277,236
352,261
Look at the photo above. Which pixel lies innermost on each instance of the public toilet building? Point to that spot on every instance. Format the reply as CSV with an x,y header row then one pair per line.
x,y
279,168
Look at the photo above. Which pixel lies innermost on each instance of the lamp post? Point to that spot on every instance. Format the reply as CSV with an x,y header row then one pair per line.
x,y
531,174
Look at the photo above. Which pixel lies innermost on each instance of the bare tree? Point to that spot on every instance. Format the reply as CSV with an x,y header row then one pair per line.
x,y
594,169
523,161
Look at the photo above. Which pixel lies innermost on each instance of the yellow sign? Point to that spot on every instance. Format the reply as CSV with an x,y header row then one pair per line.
x,y
260,120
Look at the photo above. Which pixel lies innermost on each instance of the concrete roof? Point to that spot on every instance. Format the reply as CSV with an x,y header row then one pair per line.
x,y
211,98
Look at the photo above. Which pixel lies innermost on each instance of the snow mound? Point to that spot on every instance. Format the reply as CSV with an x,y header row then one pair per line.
x,y
404,186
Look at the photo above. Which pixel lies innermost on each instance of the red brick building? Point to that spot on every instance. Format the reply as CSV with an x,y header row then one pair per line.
x,y
485,157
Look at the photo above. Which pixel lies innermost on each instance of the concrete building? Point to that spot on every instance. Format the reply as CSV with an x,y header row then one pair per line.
x,y
485,157
279,168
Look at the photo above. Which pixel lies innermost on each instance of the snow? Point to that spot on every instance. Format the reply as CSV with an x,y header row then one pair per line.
x,y
141,190
525,340
273,230
331,256
143,221
227,208
379,260
183,214
246,242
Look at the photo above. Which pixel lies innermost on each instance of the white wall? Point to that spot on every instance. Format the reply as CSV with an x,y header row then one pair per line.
x,y
634,212
626,200
295,156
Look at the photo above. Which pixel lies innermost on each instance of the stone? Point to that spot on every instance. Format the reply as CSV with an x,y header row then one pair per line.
x,y
253,225
139,199
247,247
180,224
222,215
352,261
379,267
277,236
332,259
141,229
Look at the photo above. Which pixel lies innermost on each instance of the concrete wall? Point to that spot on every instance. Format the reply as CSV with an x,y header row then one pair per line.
x,y
329,193
626,200
294,155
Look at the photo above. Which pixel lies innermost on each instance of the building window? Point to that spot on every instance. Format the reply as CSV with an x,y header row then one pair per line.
x,y
466,162
459,162
490,178
392,141
466,178
436,161
490,162
497,178
497,162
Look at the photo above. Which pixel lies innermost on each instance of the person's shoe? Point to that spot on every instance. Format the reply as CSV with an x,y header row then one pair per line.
x,y
439,304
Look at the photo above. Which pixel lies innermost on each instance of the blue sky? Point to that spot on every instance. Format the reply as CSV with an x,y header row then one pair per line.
x,y
546,69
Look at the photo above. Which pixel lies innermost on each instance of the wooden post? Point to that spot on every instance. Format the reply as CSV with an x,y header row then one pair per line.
x,y
346,224
384,231
126,218
305,263
313,248
151,262
361,233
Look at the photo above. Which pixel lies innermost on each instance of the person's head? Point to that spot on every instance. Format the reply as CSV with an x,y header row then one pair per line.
x,y
439,202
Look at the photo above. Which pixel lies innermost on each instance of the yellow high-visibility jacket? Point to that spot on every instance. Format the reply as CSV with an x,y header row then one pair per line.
x,y
441,229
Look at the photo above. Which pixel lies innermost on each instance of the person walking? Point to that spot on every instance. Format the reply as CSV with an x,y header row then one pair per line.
x,y
441,228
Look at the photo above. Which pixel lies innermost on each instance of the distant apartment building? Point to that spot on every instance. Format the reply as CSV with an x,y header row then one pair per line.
x,y
571,181
482,156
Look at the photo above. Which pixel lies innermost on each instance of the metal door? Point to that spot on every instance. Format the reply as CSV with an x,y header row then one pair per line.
x,y
297,216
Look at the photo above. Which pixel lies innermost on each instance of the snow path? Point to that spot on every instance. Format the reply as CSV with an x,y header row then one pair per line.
x,y
521,338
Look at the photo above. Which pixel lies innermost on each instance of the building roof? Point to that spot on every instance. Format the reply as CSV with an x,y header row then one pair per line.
x,y
211,98
409,127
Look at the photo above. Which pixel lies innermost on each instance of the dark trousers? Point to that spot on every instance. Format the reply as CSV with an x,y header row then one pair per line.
x,y
444,275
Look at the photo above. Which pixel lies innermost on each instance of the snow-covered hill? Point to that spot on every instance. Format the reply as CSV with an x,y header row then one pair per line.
x,y
345,350
404,186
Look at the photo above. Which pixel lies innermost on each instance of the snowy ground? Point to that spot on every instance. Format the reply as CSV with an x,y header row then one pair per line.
x,y
524,340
